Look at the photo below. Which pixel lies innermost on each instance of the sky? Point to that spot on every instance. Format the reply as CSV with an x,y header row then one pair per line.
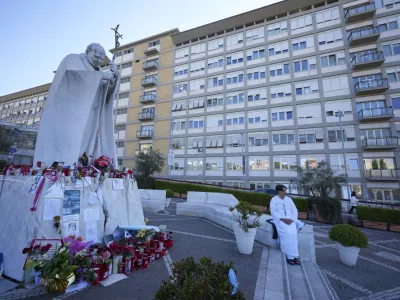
x,y
36,35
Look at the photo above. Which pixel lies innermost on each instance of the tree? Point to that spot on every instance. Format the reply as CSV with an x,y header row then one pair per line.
x,y
5,139
149,163
382,164
320,180
375,165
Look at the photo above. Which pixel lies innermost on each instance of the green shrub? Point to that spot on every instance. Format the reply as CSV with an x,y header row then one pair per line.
x,y
250,197
204,280
375,214
394,217
348,236
329,208
148,183
301,204
170,193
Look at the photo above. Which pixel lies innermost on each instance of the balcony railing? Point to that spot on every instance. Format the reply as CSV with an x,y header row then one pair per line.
x,y
151,51
148,98
149,81
367,60
381,113
371,87
150,65
380,143
144,134
389,173
146,116
358,13
363,35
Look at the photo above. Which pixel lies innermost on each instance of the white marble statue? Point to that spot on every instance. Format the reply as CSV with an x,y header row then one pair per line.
x,y
78,113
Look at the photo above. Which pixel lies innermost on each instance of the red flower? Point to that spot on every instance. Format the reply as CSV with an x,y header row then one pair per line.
x,y
26,250
36,247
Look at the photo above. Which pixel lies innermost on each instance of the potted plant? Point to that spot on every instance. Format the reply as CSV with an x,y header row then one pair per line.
x,y
245,225
302,206
349,239
327,210
374,217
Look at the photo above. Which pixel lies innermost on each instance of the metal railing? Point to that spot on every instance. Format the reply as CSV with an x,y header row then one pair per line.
x,y
146,115
364,58
381,173
359,10
149,80
375,112
363,32
144,133
150,64
371,84
148,97
384,142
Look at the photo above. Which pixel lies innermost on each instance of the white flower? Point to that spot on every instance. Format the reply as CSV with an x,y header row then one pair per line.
x,y
57,276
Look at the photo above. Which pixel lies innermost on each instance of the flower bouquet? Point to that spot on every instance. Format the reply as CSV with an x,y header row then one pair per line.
x,y
103,163
35,254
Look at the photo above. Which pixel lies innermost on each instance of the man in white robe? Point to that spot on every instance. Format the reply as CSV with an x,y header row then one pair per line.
x,y
284,214
78,113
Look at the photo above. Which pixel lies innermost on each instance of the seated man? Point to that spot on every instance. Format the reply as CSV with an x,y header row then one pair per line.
x,y
284,214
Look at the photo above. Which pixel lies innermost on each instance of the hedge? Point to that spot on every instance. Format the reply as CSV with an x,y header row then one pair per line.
x,y
348,236
394,217
170,193
375,214
301,204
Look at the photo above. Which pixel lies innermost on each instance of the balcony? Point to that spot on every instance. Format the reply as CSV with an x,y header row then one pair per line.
x,y
360,13
150,65
388,143
146,116
367,61
375,114
149,81
144,134
148,98
382,175
364,36
151,51
371,87
144,151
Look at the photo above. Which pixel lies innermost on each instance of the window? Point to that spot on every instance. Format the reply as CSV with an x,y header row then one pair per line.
x,y
254,54
123,95
307,87
305,65
282,116
256,95
337,162
234,98
181,70
278,48
379,164
395,102
125,80
127,51
180,88
234,39
277,28
283,138
234,140
393,75
122,111
369,80
119,128
127,65
279,69
182,53
370,108
387,3
328,37
260,185
234,164
197,66
259,163
154,43
257,116
215,44
258,139
120,144
233,78
328,15
194,124
389,23
197,85
255,34
312,160
235,58
215,62
178,164
335,83
195,143
178,125
194,165
179,106
310,136
214,142
332,60
255,74
301,22
303,43
118,54
196,103
234,121
215,81
336,135
284,162
198,49
374,133
213,101
281,91
391,49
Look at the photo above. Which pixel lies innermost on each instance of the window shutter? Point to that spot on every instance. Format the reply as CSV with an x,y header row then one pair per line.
x,y
321,38
319,134
283,25
327,15
219,142
293,24
320,18
344,83
200,143
350,132
308,20
335,13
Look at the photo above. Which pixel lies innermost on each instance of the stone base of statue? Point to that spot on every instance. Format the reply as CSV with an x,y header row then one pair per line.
x,y
91,213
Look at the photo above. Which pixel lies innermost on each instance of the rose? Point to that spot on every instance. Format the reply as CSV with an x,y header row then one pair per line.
x,y
26,250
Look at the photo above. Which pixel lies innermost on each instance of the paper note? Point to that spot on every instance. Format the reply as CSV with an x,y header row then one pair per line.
x,y
78,184
70,218
51,209
118,184
91,214
93,198
71,228
72,202
91,231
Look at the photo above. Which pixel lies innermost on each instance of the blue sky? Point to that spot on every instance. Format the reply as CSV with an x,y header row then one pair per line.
x,y
36,35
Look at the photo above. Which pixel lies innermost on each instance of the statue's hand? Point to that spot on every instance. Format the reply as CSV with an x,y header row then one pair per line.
x,y
113,69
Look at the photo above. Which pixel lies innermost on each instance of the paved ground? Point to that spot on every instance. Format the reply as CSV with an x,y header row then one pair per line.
x,y
376,276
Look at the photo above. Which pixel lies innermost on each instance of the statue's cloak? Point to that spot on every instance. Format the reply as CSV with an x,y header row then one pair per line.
x,y
79,105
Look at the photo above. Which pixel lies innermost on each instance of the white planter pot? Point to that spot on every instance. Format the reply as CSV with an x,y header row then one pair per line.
x,y
244,240
348,255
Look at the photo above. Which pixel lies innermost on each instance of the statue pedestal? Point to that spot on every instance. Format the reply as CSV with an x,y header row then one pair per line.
x,y
19,225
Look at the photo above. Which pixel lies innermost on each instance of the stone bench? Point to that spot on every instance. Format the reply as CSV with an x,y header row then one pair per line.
x,y
153,200
215,208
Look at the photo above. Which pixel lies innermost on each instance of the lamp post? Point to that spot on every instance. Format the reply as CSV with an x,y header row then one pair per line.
x,y
243,159
340,114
